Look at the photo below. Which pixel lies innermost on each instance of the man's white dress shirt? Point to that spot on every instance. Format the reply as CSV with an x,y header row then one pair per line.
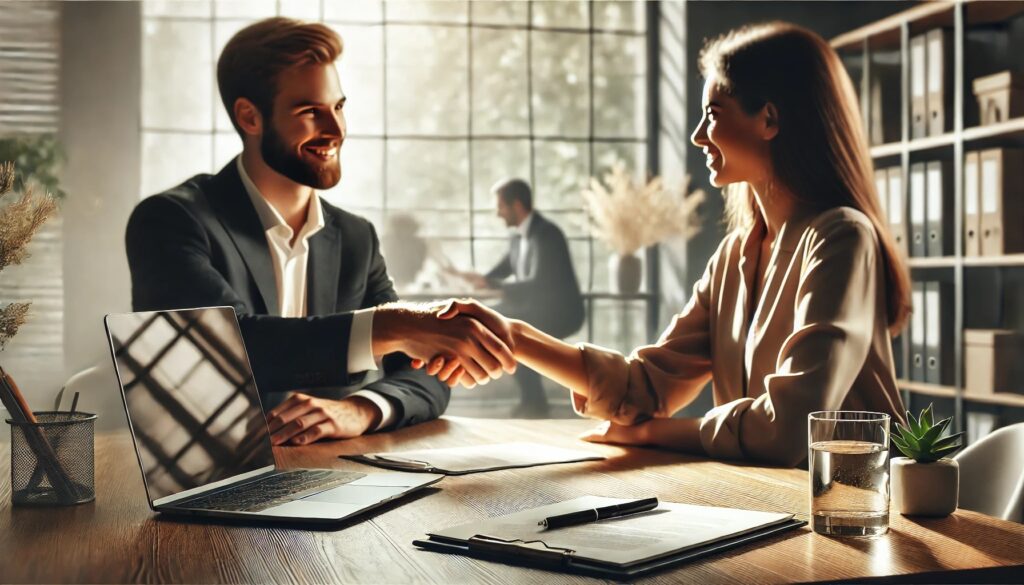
x,y
290,263
522,229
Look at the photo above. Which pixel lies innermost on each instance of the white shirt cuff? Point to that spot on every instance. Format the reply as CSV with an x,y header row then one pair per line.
x,y
387,412
360,342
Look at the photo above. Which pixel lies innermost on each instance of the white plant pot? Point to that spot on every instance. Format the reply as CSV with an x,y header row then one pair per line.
x,y
625,273
925,489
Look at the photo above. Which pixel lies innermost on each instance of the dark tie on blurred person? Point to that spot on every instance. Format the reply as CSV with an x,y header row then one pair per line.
x,y
537,281
314,301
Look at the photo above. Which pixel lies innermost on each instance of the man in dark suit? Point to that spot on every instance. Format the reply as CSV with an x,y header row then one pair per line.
x,y
537,281
307,279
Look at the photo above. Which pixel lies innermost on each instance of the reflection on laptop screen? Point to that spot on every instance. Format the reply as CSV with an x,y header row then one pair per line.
x,y
190,396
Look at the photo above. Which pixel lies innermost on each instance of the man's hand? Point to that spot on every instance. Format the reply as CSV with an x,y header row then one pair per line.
x,y
449,370
422,334
302,419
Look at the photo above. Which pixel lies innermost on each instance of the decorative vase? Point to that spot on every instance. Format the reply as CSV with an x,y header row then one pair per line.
x,y
925,489
624,272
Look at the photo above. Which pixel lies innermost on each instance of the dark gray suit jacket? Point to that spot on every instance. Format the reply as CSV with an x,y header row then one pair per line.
x,y
202,244
549,296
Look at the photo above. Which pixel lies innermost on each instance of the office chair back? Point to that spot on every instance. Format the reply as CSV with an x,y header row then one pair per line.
x,y
992,474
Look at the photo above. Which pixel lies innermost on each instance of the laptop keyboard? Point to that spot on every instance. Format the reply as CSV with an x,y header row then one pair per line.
x,y
273,490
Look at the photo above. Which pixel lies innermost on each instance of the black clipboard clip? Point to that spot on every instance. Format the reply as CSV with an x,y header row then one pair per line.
x,y
517,547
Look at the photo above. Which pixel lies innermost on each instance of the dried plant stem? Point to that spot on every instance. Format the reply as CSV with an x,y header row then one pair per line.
x,y
12,317
19,221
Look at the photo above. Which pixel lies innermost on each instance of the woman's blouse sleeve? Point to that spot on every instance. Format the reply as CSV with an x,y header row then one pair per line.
x,y
655,380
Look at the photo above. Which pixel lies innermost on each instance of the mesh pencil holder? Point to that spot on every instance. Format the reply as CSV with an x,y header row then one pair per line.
x,y
52,459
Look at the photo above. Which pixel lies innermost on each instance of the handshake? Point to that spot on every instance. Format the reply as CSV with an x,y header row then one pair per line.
x,y
458,341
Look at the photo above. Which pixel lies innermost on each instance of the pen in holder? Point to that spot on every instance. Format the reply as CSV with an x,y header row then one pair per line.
x,y
51,454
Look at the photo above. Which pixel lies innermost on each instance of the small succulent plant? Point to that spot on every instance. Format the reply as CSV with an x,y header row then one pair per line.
x,y
925,441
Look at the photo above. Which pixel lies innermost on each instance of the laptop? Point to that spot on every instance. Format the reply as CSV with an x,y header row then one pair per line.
x,y
200,433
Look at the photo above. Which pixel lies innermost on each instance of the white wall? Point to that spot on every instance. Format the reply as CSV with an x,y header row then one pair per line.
x,y
100,75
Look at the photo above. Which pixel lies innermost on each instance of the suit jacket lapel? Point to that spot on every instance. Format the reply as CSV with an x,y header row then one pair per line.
x,y
239,218
324,268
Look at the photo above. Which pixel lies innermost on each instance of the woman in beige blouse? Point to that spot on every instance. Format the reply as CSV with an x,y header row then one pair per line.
x,y
794,311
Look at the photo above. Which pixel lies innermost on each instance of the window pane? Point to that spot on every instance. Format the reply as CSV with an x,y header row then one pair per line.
x,y
573,223
253,9
427,174
500,98
487,224
362,166
619,324
620,107
361,71
427,80
512,12
489,253
442,224
301,9
177,75
493,161
353,10
562,168
188,9
562,14
226,146
168,159
633,154
426,11
616,15
561,94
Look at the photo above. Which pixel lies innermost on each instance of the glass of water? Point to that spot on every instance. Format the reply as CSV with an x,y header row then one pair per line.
x,y
848,462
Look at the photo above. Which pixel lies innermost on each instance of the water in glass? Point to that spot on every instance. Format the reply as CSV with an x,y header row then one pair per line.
x,y
849,487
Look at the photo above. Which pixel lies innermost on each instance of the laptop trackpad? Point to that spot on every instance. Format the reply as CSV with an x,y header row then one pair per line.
x,y
357,494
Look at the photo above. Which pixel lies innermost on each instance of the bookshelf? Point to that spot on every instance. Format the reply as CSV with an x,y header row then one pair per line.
x,y
983,34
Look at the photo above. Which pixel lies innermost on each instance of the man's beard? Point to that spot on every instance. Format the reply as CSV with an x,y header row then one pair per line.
x,y
279,157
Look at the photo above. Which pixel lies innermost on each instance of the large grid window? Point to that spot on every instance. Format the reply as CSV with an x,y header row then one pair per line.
x,y
444,99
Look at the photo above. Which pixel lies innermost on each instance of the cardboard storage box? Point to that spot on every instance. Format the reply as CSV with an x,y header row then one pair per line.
x,y
993,361
1000,96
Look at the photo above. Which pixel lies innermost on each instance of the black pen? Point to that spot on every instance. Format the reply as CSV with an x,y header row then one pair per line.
x,y
595,514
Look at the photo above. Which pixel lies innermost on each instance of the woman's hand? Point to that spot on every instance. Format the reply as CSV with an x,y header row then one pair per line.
x,y
448,369
609,432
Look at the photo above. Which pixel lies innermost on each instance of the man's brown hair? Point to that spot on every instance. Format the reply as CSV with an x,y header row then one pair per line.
x,y
253,59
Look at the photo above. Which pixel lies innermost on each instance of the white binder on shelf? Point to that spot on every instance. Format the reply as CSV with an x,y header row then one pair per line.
x,y
881,189
918,211
917,333
939,208
897,208
938,314
972,204
918,88
940,81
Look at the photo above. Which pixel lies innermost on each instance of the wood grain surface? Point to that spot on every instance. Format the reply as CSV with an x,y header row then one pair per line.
x,y
118,539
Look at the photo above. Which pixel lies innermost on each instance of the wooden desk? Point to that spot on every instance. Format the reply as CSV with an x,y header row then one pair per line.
x,y
117,538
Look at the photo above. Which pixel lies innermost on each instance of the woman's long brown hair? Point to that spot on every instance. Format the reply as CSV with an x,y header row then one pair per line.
x,y
820,152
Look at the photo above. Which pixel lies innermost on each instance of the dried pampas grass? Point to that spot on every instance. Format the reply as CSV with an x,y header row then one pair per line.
x,y
12,317
20,219
629,215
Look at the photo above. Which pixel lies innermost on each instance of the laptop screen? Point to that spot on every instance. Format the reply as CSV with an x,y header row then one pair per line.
x,y
192,403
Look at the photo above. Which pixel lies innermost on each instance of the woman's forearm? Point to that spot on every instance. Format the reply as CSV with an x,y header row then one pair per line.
x,y
678,434
550,357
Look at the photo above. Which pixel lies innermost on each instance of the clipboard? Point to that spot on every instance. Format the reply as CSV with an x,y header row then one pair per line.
x,y
614,548
509,552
